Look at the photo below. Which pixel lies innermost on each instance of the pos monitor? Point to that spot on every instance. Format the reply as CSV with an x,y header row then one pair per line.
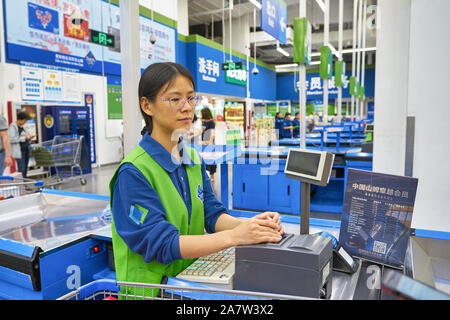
x,y
309,166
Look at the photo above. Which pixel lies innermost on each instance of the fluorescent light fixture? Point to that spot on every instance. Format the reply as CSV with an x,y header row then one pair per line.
x,y
255,3
289,65
358,50
282,51
314,62
317,54
321,5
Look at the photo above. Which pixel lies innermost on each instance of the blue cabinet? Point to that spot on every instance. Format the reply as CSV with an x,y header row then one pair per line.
x,y
265,188
250,188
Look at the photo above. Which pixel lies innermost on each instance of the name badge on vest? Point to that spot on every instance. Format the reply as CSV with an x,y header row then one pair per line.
x,y
199,193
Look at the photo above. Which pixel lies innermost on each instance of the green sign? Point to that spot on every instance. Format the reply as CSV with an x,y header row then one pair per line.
x,y
232,66
352,85
114,102
326,62
101,38
339,71
271,109
302,41
236,77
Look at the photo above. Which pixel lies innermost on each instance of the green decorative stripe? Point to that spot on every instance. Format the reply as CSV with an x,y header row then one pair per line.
x,y
143,11
212,44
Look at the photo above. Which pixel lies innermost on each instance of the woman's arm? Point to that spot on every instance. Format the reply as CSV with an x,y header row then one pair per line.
x,y
231,232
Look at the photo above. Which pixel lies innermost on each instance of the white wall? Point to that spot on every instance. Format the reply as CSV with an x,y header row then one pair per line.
x,y
167,8
183,18
412,79
391,86
429,102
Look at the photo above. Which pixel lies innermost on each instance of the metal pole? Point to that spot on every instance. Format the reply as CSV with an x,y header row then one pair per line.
x,y
361,108
325,42
358,63
355,8
340,39
131,71
305,193
302,89
230,6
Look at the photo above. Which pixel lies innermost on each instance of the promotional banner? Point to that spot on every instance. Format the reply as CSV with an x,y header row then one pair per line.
x,y
274,19
377,216
58,33
43,83
302,41
89,102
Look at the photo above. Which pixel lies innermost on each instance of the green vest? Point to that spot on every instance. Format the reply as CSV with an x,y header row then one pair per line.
x,y
130,266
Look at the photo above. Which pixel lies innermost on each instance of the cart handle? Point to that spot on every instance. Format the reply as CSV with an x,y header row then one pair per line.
x,y
37,183
97,286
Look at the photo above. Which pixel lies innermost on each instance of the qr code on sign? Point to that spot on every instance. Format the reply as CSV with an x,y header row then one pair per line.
x,y
379,247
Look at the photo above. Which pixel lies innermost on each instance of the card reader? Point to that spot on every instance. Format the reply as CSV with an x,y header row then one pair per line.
x,y
298,265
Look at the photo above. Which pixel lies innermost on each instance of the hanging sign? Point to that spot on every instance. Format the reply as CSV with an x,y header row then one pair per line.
x,y
101,38
274,19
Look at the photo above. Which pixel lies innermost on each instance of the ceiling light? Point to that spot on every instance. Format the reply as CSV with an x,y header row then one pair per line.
x,y
321,5
255,3
282,51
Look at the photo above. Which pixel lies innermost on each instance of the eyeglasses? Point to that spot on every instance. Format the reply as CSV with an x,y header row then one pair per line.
x,y
177,103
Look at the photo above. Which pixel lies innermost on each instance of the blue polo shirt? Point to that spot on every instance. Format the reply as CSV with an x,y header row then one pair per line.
x,y
296,131
286,133
278,123
156,238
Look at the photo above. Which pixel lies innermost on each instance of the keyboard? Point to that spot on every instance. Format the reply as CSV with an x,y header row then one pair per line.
x,y
215,269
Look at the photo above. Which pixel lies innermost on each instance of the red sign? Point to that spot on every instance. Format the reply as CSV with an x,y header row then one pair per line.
x,y
80,32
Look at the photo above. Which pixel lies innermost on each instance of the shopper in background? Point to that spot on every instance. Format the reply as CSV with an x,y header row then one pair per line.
x,y
20,140
278,122
208,135
312,121
287,126
5,149
161,196
296,126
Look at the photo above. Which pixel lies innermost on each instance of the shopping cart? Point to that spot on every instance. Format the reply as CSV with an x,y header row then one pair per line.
x,y
59,153
108,289
12,187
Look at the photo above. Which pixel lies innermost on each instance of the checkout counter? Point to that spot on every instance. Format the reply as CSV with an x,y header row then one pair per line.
x,y
55,241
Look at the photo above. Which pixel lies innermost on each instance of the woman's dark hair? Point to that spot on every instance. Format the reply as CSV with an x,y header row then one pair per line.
x,y
154,78
279,112
287,114
22,115
195,118
206,114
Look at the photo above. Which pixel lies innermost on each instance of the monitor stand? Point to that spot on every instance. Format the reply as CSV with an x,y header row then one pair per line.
x,y
305,193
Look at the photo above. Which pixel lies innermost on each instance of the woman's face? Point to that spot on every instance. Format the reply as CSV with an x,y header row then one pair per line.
x,y
166,116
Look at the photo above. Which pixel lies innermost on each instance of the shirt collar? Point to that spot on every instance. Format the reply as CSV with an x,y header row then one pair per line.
x,y
163,157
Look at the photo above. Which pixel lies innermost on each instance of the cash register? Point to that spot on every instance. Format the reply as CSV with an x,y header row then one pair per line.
x,y
299,264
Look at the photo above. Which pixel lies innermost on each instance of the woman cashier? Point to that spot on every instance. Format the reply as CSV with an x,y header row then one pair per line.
x,y
161,196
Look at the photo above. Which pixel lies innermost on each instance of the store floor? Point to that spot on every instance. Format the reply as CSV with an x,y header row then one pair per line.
x,y
98,183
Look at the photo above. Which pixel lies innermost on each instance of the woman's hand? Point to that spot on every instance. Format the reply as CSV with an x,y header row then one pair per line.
x,y
264,227
274,216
